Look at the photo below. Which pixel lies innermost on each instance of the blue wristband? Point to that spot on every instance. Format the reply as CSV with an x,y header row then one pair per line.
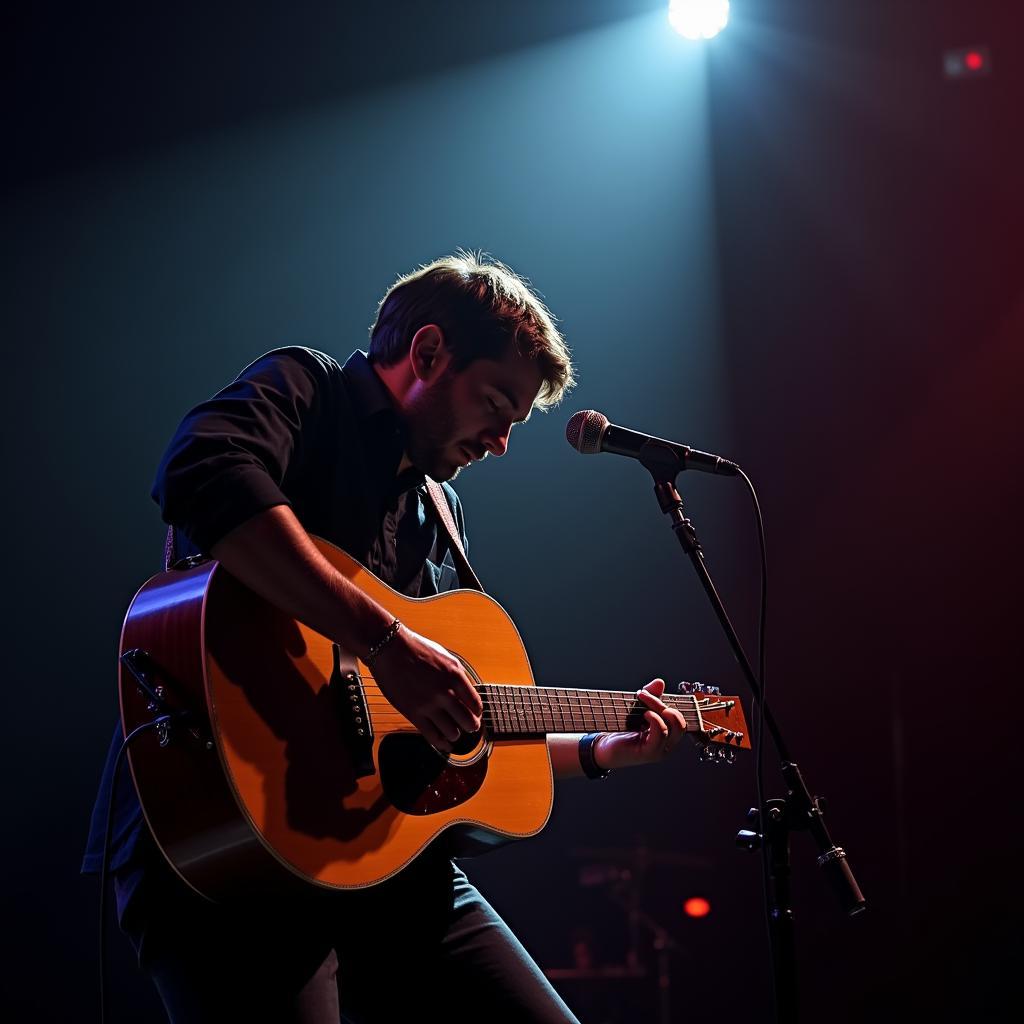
x,y
587,760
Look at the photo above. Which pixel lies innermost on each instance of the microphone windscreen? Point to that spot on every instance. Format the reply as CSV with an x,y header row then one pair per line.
x,y
584,431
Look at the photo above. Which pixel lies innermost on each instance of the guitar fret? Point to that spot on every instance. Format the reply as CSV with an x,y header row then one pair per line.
x,y
536,711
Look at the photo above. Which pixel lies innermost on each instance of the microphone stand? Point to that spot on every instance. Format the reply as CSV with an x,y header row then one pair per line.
x,y
779,817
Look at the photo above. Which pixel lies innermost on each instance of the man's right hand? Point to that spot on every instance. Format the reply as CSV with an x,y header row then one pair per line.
x,y
273,555
430,686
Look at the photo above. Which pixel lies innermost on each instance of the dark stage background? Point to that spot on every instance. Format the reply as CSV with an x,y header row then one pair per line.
x,y
799,245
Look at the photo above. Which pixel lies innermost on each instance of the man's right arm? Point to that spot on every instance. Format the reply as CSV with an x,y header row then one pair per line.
x,y
272,554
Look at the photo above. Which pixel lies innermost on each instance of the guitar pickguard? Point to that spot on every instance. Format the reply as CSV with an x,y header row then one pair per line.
x,y
417,780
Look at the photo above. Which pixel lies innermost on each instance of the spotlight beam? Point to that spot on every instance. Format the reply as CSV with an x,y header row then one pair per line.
x,y
698,19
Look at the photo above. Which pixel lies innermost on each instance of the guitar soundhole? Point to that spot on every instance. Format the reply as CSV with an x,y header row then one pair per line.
x,y
419,780
466,743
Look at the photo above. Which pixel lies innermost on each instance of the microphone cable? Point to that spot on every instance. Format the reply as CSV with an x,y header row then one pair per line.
x,y
762,703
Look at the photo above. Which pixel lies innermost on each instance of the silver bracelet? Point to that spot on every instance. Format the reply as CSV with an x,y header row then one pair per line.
x,y
390,633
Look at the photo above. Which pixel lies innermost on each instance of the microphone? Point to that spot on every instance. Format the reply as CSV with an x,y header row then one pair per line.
x,y
589,432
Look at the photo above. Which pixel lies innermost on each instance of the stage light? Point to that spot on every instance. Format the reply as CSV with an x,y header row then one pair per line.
x,y
697,906
698,19
969,63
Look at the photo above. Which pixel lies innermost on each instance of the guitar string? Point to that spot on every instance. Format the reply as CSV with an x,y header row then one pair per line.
x,y
509,705
381,706
536,701
532,707
507,713
538,694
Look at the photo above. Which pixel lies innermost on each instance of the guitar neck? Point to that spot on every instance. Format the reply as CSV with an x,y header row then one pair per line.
x,y
532,711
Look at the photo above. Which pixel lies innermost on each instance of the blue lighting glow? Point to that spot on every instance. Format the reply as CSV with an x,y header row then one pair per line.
x,y
698,19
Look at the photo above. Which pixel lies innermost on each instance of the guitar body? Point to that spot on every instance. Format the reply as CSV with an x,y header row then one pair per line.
x,y
293,767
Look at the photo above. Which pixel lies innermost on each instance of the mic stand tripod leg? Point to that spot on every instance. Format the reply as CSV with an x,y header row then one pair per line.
x,y
776,824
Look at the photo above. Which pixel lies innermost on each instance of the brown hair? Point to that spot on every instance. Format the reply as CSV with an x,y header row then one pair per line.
x,y
481,306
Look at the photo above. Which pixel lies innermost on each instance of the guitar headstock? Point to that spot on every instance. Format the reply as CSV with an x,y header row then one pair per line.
x,y
718,724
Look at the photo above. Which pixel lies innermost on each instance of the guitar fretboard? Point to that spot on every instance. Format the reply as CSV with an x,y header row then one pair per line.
x,y
530,711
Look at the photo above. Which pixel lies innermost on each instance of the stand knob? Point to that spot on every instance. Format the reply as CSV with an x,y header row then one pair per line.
x,y
747,840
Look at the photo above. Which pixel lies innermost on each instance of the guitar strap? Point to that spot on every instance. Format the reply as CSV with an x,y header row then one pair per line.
x,y
467,578
169,558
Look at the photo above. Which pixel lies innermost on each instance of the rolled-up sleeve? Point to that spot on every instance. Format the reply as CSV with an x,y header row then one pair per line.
x,y
230,455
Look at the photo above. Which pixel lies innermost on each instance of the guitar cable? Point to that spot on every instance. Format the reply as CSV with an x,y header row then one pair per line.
x,y
104,865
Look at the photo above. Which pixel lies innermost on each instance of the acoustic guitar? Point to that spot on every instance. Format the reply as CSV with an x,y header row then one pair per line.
x,y
278,757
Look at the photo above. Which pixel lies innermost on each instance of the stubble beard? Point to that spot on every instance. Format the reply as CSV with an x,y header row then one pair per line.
x,y
430,422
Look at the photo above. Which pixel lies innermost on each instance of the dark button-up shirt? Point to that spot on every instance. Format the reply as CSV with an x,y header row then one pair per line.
x,y
294,428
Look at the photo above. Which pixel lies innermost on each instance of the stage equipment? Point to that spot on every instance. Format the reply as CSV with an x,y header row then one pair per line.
x,y
589,432
773,820
968,63
698,19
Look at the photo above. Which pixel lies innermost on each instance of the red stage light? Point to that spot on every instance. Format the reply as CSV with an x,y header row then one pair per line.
x,y
697,906
970,62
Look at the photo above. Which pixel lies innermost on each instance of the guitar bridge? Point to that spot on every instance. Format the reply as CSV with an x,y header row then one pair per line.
x,y
350,704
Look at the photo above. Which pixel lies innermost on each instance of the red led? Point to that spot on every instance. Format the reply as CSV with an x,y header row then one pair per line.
x,y
974,60
697,906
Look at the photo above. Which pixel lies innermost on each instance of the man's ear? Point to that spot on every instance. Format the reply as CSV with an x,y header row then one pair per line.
x,y
429,356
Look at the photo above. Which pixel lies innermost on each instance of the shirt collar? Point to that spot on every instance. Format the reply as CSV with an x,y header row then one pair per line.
x,y
369,395
385,430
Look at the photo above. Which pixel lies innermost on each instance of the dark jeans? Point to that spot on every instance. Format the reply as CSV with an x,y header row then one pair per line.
x,y
425,945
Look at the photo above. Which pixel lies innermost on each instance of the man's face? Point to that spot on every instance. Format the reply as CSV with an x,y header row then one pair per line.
x,y
463,417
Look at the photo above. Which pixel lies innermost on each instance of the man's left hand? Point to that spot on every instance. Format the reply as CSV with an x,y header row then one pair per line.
x,y
663,732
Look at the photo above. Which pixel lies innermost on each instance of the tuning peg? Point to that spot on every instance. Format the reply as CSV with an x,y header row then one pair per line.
x,y
711,753
705,688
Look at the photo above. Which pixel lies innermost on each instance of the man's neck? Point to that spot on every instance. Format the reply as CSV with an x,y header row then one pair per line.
x,y
392,385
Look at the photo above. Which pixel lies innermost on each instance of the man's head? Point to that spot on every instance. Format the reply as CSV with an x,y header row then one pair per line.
x,y
466,349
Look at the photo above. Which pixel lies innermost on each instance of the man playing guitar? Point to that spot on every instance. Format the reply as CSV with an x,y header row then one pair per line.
x,y
297,447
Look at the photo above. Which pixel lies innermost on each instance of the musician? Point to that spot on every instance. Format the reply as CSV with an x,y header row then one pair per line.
x,y
461,351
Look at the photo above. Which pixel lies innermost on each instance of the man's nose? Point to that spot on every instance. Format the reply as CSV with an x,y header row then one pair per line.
x,y
496,442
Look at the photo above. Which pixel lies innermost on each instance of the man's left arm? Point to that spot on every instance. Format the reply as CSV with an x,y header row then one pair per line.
x,y
612,750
